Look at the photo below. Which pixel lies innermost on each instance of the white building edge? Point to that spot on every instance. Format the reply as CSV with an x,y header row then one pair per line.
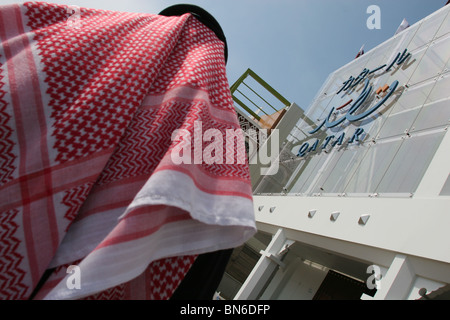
x,y
341,217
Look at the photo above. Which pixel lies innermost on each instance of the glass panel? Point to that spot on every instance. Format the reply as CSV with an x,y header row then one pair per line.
x,y
300,162
355,67
441,89
413,97
373,167
380,54
338,83
427,30
410,164
268,185
445,26
446,189
275,183
320,160
404,72
376,122
398,124
321,109
325,87
433,62
328,167
401,73
433,115
405,38
344,169
405,110
308,169
297,134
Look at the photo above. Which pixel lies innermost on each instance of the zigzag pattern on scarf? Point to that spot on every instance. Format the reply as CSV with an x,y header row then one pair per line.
x,y
12,286
7,157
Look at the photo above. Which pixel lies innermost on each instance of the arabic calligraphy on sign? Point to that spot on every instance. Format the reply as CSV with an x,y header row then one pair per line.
x,y
352,114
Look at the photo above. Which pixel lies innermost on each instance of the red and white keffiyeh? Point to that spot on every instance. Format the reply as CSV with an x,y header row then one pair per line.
x,y
88,111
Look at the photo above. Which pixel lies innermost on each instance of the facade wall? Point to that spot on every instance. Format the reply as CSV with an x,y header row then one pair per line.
x,y
370,181
396,142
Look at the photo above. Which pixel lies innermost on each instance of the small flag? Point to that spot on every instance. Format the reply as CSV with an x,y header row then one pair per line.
x,y
361,51
404,25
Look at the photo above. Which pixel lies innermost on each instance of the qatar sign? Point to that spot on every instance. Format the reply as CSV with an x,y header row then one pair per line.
x,y
357,108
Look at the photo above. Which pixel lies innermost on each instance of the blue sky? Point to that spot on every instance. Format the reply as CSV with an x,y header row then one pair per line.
x,y
292,44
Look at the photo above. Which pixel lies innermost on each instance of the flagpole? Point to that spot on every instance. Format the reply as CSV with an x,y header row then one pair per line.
x,y
404,25
361,51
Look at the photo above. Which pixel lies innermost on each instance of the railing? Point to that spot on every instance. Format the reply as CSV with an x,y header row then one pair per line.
x,y
259,99
268,107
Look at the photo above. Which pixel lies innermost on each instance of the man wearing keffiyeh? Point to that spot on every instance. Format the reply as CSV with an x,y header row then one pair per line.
x,y
87,111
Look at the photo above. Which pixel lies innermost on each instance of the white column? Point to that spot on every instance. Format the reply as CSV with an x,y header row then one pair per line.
x,y
269,261
396,285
